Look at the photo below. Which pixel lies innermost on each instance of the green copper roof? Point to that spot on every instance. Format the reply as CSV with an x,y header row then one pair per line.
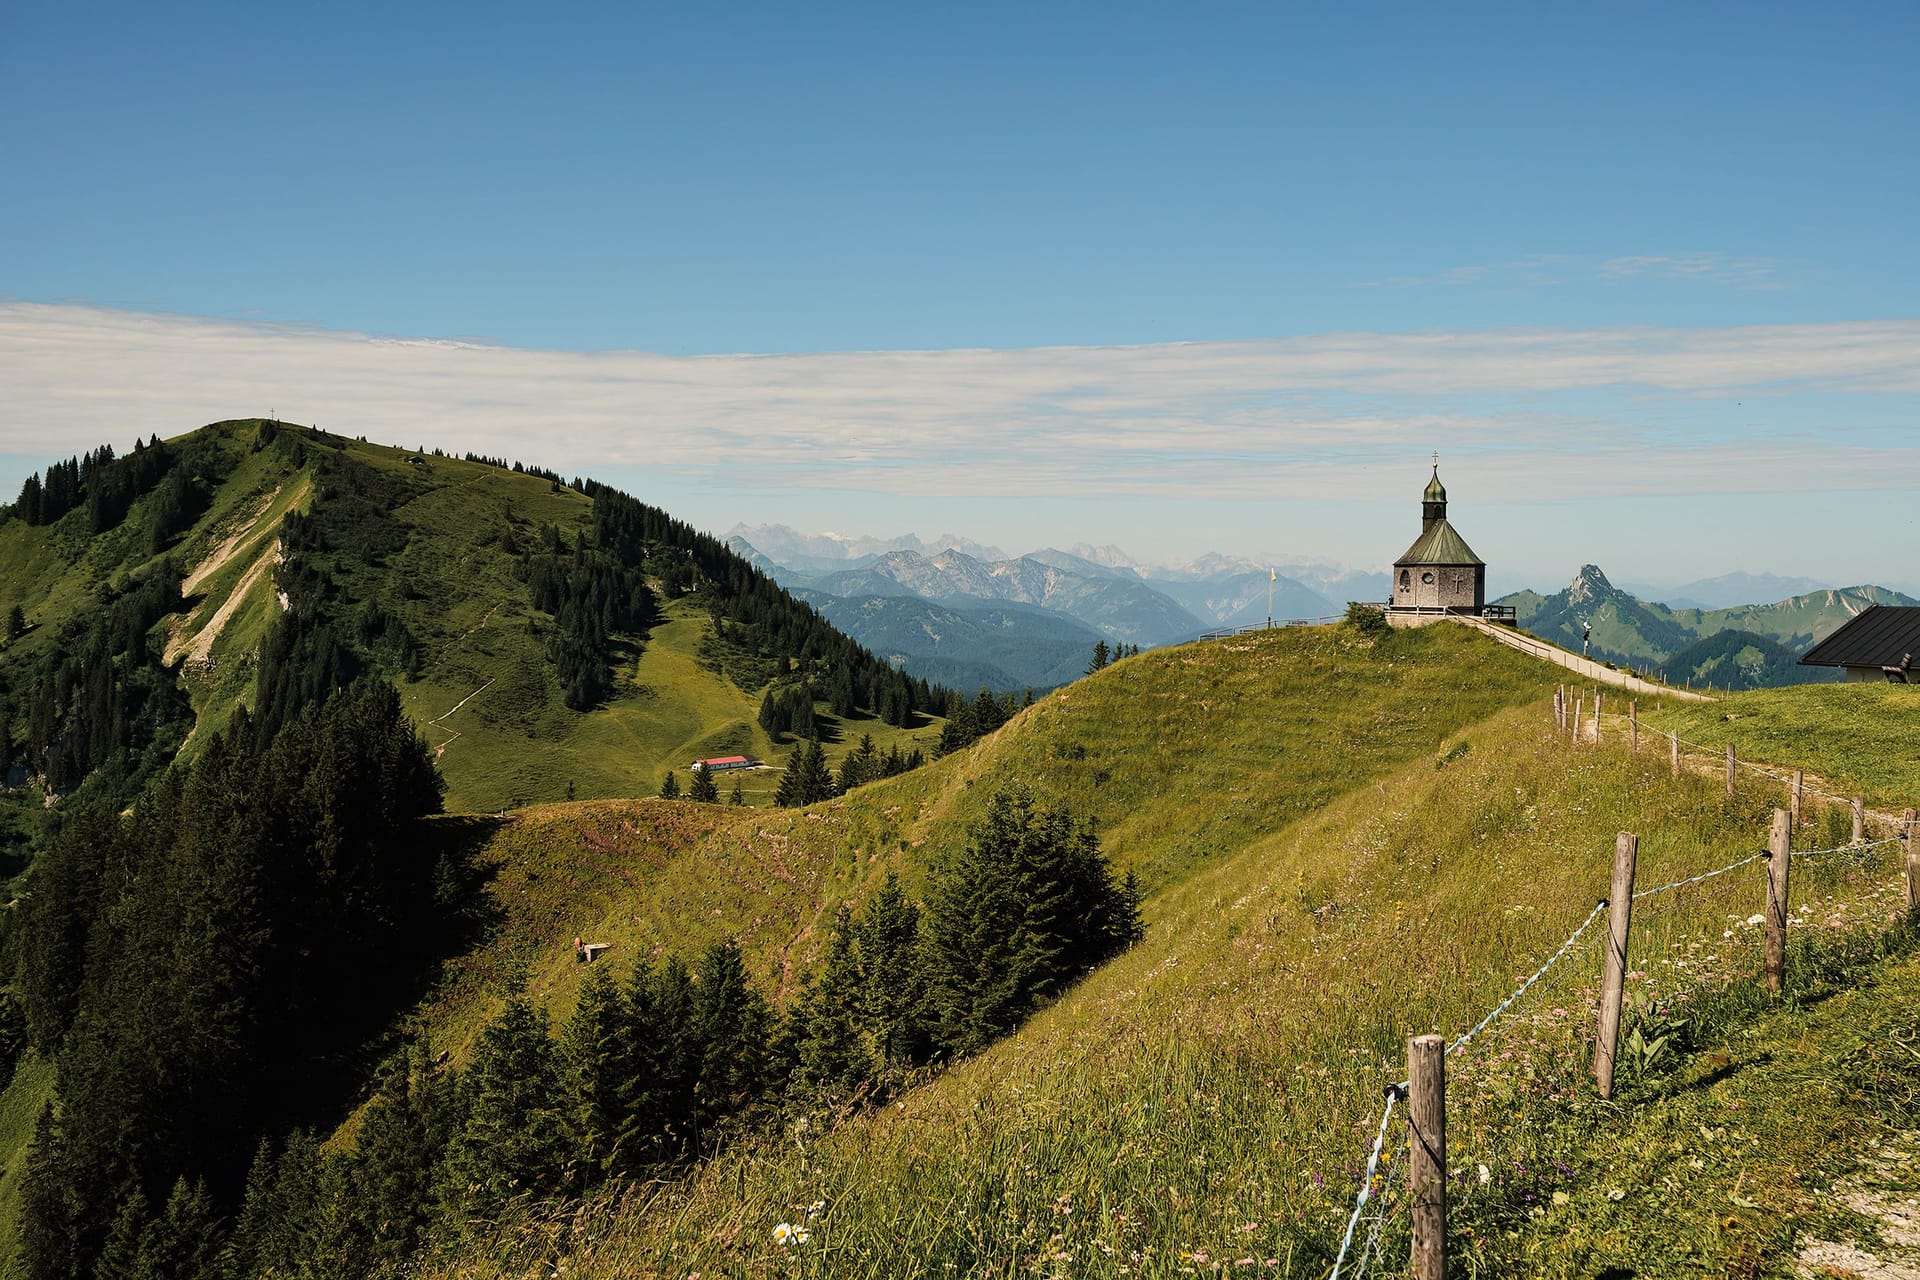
x,y
1436,492
1440,545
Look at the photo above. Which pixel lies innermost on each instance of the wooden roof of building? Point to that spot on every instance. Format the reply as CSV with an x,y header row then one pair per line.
x,y
1880,637
1439,545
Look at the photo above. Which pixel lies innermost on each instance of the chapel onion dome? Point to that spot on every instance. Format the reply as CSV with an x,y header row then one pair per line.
x,y
1436,492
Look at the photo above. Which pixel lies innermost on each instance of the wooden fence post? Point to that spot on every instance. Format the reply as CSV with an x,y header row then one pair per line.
x,y
1673,751
1799,786
1913,858
1596,717
1613,972
1427,1149
1779,843
1579,705
1729,771
1859,819
1633,724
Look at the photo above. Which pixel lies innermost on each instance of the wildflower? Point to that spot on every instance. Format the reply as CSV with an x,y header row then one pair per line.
x,y
1486,1175
815,1209
1616,1194
1756,919
1560,1198
786,1233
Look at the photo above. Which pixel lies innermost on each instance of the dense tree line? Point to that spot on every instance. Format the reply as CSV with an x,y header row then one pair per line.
x,y
106,486
657,1066
196,966
99,694
591,595
552,477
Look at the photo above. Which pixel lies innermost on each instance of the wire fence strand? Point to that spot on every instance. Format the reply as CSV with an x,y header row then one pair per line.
x,y
1394,1095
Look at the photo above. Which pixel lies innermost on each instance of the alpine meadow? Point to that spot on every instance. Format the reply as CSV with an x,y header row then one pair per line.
x,y
368,919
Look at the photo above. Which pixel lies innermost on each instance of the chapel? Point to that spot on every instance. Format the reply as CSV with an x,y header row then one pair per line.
x,y
1438,574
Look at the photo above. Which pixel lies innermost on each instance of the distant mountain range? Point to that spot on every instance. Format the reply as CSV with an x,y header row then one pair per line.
x,y
964,613
1687,643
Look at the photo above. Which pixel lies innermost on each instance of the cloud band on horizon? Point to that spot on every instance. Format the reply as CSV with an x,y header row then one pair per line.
x,y
1618,410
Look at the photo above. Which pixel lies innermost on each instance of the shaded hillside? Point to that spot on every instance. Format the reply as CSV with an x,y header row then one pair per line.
x,y
1739,660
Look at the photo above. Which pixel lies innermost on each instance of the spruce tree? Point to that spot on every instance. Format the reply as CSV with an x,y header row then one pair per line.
x,y
817,777
402,1138
730,1029
1101,657
1026,907
596,1052
894,999
670,788
832,1059
120,1256
703,788
657,1091
736,796
513,1141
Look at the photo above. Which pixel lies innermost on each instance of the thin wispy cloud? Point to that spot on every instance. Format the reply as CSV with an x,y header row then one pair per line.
x,y
1308,417
1546,270
1710,268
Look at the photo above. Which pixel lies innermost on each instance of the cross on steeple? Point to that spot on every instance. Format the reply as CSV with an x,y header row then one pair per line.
x,y
1436,459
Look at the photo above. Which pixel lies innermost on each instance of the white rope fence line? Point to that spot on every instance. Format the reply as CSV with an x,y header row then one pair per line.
x,y
1719,753
1537,975
1704,875
1370,1252
1846,848
1395,1093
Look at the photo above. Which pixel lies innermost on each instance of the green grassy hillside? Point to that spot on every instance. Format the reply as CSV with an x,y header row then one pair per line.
x,y
1182,758
1349,845
1858,739
441,556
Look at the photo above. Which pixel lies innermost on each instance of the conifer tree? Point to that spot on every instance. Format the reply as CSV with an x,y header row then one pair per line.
x,y
120,1256
596,1053
816,775
862,765
670,787
657,1091
402,1139
894,999
1101,657
514,1137
832,1059
1027,906
730,1030
703,788
736,796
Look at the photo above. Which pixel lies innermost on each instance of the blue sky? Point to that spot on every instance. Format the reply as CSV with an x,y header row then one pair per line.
x,y
818,180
